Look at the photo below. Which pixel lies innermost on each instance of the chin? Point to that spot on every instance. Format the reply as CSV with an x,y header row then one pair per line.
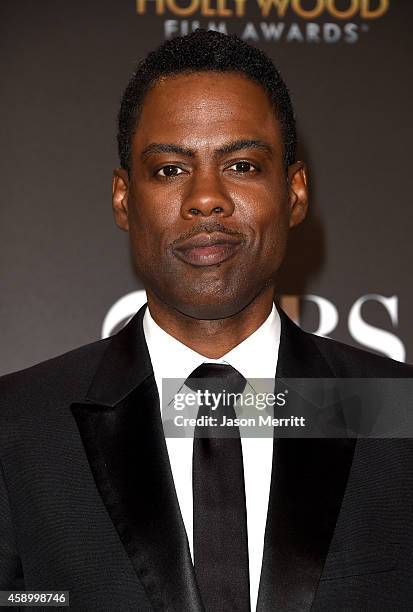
x,y
212,307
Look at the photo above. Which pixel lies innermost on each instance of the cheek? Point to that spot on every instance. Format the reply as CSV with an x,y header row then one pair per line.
x,y
150,219
266,212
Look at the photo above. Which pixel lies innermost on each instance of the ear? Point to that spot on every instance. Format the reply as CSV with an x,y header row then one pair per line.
x,y
120,193
298,192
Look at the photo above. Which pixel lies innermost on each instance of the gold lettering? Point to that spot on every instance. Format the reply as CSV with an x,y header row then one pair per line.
x,y
222,9
240,8
308,13
182,12
368,13
267,5
141,7
343,13
184,8
206,9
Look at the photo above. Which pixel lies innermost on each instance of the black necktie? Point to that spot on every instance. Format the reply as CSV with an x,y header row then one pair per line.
x,y
220,517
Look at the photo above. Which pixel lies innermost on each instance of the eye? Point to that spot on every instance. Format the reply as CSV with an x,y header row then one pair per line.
x,y
243,167
168,171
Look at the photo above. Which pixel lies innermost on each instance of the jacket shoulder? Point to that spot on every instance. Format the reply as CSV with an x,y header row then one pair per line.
x,y
65,377
349,361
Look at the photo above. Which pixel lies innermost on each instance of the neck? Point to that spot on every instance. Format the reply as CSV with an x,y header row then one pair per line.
x,y
212,338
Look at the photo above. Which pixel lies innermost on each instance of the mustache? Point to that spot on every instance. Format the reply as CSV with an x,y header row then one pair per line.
x,y
208,228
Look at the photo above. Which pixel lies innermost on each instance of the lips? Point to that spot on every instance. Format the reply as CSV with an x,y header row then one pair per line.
x,y
208,249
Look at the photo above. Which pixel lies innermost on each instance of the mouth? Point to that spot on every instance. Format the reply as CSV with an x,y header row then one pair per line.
x,y
208,249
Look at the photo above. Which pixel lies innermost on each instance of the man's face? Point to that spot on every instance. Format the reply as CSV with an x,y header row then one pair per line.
x,y
208,202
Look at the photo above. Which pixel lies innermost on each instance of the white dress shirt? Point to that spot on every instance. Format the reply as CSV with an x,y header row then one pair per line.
x,y
255,357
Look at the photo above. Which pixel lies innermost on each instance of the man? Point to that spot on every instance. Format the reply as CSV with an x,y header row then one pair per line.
x,y
94,499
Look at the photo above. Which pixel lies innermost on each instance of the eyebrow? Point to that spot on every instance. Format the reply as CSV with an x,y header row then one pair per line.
x,y
230,147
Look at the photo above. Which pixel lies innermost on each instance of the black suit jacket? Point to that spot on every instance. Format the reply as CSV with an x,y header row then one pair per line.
x,y
87,500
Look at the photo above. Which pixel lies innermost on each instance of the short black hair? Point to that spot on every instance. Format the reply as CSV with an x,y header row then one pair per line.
x,y
205,51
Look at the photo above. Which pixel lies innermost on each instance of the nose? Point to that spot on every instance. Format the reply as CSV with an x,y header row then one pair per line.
x,y
206,196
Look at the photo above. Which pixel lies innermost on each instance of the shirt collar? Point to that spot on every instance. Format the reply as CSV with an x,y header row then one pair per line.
x,y
254,357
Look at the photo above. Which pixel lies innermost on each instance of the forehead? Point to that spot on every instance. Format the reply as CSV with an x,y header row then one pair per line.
x,y
205,109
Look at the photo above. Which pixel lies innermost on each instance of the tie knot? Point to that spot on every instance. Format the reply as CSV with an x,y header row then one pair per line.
x,y
216,377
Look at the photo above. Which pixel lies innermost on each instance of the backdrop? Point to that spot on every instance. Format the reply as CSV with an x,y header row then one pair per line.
x,y
66,275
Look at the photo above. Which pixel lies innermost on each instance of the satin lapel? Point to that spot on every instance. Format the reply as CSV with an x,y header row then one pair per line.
x,y
308,482
121,430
